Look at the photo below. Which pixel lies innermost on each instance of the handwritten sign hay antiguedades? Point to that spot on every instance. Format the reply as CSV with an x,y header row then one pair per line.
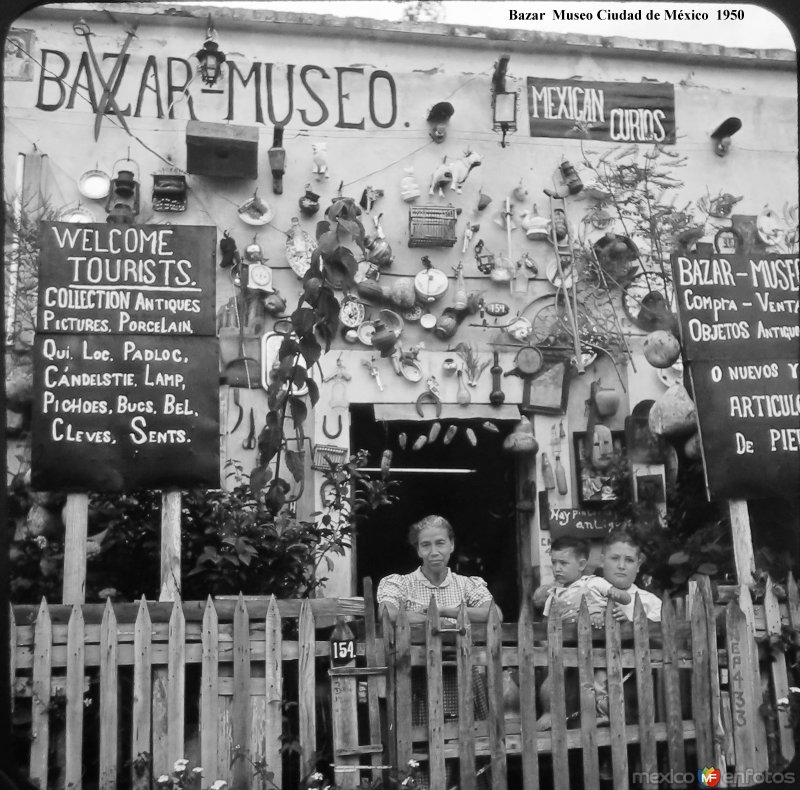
x,y
741,338
125,359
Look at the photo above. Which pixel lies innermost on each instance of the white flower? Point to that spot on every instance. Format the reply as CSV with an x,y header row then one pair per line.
x,y
220,784
180,766
794,689
40,541
198,771
413,764
317,777
163,779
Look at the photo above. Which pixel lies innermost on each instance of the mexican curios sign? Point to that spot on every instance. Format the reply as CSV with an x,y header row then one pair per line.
x,y
739,321
632,112
125,358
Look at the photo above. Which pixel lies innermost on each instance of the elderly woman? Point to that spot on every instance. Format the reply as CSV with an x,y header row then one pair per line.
x,y
434,540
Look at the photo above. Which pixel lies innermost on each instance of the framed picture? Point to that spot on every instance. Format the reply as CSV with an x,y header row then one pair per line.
x,y
595,479
17,63
548,391
650,488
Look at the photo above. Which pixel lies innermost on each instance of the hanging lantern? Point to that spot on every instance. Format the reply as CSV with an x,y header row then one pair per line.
x,y
210,57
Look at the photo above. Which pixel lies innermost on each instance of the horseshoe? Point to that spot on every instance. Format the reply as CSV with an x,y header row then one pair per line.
x,y
325,427
429,397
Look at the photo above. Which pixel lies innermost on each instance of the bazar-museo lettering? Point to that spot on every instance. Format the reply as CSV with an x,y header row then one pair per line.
x,y
399,405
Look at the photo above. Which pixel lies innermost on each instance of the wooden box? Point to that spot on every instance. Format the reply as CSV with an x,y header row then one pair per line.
x,y
221,150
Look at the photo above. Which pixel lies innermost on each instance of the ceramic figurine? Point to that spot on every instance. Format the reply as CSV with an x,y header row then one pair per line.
x,y
535,226
320,169
379,251
409,189
442,177
520,193
230,255
462,167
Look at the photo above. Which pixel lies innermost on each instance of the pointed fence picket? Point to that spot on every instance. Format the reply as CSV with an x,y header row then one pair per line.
x,y
209,681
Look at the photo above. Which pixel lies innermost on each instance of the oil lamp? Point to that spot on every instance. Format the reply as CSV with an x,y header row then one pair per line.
x,y
504,103
210,57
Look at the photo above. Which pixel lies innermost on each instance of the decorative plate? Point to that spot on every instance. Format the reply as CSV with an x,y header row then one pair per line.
x,y
94,184
351,312
365,332
299,246
77,214
413,313
255,212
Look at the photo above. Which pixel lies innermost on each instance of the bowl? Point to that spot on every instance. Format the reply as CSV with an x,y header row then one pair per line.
x,y
392,321
365,332
94,184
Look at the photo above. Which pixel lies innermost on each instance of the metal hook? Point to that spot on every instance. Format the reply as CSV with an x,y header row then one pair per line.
x,y
338,427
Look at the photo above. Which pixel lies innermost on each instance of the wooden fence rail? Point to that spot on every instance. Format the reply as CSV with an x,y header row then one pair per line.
x,y
110,696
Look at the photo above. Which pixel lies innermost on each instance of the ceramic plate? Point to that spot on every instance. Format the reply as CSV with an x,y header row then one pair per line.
x,y
78,214
365,332
94,184
552,274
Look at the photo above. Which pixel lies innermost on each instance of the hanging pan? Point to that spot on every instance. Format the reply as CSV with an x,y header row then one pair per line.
x,y
94,184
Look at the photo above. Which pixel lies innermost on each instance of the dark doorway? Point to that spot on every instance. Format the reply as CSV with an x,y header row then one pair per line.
x,y
471,486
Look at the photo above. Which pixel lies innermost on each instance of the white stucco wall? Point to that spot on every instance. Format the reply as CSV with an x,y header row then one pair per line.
x,y
427,64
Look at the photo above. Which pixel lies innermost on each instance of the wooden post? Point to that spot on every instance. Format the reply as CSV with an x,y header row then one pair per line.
x,y
344,707
525,508
76,518
742,541
170,546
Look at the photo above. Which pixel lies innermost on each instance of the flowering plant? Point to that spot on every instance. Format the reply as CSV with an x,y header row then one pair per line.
x,y
184,778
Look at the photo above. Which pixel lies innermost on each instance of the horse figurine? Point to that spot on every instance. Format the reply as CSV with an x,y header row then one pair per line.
x,y
462,167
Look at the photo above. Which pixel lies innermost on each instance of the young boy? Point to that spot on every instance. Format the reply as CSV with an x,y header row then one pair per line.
x,y
622,558
568,557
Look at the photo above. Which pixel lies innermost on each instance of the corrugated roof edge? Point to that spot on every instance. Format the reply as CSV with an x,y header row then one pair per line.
x,y
446,34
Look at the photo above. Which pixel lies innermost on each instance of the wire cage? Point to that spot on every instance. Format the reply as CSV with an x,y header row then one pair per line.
x,y
432,226
325,453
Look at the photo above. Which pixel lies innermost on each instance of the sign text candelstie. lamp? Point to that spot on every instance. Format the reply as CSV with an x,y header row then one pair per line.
x,y
210,57
504,103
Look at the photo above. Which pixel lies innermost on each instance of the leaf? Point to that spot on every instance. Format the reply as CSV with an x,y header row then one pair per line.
x,y
303,320
269,440
289,347
313,391
259,478
295,463
708,568
298,410
310,349
300,376
678,558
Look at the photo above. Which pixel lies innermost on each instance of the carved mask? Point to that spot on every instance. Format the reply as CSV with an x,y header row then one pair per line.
x,y
602,448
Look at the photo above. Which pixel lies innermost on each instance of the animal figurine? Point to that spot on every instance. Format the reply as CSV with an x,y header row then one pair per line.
x,y
442,177
462,167
409,189
320,168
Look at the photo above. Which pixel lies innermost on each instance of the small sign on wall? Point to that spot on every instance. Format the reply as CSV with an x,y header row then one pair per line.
x,y
622,112
17,63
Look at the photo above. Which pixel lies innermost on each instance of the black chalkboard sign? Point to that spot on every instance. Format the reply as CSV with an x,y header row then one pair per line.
x,y
622,112
741,338
578,522
125,359
126,279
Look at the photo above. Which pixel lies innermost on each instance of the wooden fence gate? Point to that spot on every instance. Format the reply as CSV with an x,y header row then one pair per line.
x,y
111,696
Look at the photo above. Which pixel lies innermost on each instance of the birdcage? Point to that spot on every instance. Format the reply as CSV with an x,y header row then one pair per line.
x,y
325,454
432,226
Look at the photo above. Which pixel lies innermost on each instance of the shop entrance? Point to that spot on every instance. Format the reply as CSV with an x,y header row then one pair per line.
x,y
471,486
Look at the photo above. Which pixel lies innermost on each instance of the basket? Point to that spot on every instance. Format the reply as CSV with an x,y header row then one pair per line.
x,y
325,453
432,226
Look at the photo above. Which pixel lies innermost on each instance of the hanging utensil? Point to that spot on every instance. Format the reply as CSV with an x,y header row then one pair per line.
x,y
249,442
239,413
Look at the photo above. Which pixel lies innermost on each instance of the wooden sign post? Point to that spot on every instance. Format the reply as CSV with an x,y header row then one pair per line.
x,y
125,374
